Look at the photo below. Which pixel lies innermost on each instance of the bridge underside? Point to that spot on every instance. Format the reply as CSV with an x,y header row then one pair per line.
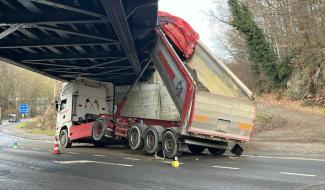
x,y
103,40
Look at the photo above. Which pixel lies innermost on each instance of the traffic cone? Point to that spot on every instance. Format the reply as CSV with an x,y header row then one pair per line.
x,y
56,147
15,145
175,162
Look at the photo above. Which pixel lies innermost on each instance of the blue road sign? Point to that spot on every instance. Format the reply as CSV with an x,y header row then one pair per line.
x,y
24,108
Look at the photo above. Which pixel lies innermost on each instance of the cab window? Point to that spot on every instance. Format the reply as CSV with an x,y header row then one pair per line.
x,y
63,104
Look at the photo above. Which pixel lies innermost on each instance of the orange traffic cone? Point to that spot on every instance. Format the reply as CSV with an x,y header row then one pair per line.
x,y
56,147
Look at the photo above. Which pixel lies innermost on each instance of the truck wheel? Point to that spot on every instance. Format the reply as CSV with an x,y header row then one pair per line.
x,y
195,149
135,138
216,151
170,144
99,129
151,144
65,141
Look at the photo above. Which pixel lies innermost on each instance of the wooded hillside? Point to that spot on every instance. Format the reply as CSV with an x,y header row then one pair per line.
x,y
283,42
19,85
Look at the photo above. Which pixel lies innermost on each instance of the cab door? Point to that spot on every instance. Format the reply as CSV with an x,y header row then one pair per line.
x,y
64,112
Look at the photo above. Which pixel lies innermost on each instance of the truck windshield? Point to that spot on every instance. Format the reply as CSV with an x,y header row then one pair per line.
x,y
211,77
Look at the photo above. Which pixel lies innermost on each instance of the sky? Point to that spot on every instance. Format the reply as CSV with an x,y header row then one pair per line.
x,y
197,14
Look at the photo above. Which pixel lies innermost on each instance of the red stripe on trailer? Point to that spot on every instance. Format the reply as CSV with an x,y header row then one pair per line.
x,y
223,135
169,70
190,85
129,121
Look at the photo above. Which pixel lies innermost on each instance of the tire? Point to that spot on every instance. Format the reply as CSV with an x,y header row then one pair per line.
x,y
195,149
65,141
135,137
216,151
99,130
151,141
170,144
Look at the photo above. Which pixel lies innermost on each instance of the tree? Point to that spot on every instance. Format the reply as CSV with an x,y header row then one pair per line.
x,y
259,49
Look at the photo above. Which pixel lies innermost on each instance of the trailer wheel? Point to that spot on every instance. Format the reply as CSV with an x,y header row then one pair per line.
x,y
151,144
216,151
99,129
135,138
65,141
170,144
195,149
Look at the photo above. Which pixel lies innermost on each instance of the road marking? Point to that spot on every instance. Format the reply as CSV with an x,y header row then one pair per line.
x,y
169,162
297,174
224,167
286,158
98,155
136,159
90,161
73,153
36,149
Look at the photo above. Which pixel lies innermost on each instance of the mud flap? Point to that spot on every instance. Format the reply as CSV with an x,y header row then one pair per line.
x,y
237,150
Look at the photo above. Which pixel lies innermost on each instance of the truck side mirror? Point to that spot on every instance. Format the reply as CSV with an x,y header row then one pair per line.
x,y
56,105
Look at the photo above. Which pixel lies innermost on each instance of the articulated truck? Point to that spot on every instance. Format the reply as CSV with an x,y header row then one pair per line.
x,y
192,102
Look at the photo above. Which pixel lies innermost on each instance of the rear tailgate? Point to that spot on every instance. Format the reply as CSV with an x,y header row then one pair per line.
x,y
224,106
222,116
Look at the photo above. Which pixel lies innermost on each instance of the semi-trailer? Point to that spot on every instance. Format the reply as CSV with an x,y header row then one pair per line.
x,y
192,101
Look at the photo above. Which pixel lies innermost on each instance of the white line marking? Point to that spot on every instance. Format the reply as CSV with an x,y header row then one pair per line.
x,y
73,153
224,167
98,155
74,162
286,158
297,174
136,159
90,161
36,149
169,162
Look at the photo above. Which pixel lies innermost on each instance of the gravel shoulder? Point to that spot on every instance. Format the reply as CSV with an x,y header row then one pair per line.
x,y
287,131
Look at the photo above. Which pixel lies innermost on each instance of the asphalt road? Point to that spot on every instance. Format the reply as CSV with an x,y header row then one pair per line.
x,y
33,166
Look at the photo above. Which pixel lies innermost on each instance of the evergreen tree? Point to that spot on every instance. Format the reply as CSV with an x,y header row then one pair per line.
x,y
260,50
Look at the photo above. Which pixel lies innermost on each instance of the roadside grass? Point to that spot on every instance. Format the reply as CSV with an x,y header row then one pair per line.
x,y
32,127
22,125
267,122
